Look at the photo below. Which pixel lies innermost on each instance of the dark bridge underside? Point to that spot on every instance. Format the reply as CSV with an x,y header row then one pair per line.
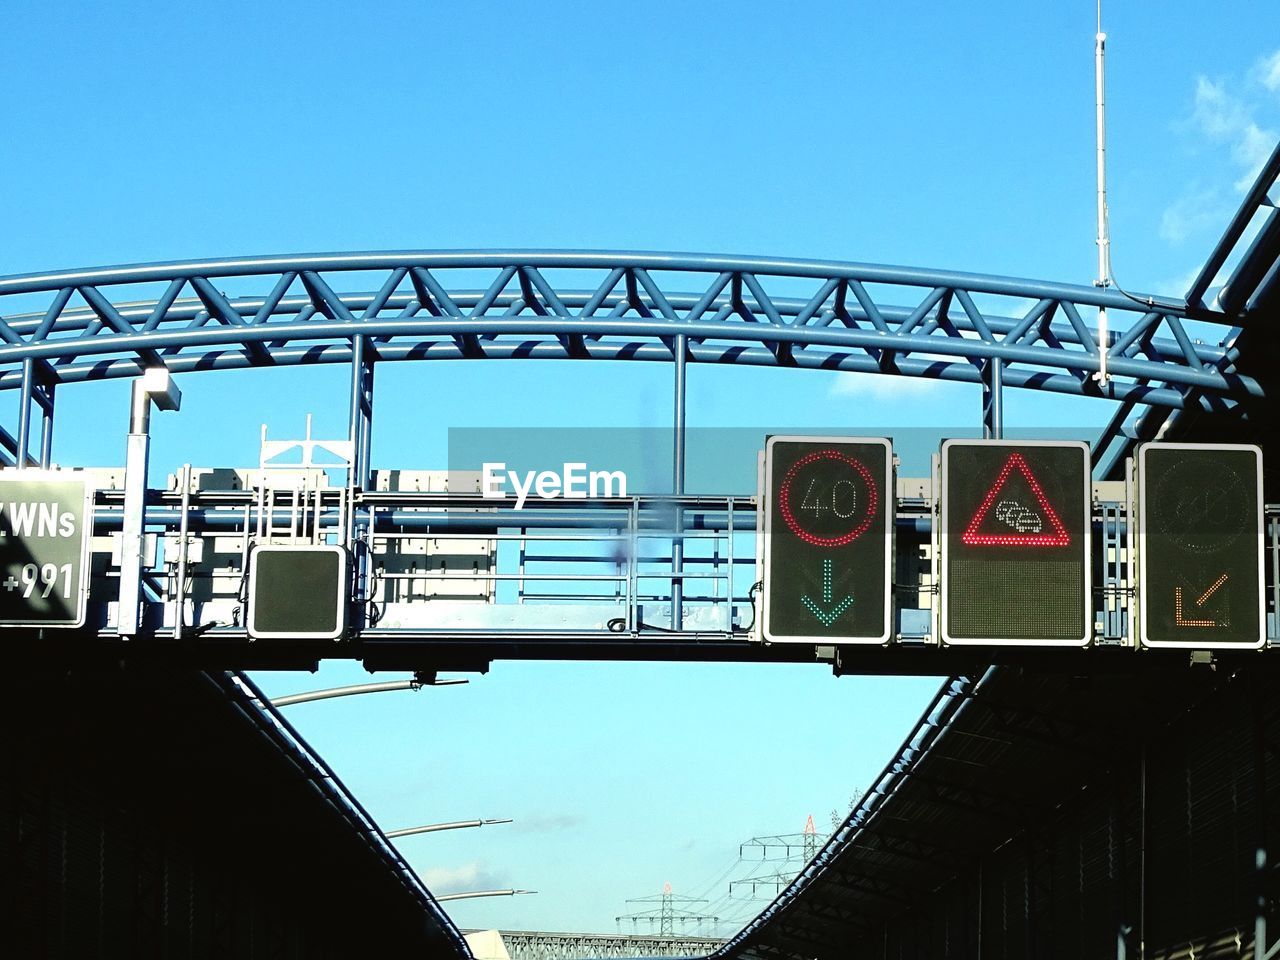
x,y
1034,816
160,813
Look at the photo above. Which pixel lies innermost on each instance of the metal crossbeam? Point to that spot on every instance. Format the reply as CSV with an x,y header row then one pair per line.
x,y
96,324
536,584
540,945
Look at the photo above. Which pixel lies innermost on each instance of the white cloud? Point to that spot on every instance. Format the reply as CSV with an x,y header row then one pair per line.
x,y
547,823
1268,72
1192,213
475,875
877,386
1224,114
1252,148
1217,114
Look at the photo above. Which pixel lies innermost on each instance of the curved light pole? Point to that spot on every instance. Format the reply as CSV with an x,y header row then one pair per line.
x,y
416,683
386,686
474,894
434,827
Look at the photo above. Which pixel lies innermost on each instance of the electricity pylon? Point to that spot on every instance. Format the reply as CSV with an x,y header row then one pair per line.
x,y
665,917
784,849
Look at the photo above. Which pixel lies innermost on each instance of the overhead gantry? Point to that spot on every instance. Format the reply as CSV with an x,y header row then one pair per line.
x,y
72,326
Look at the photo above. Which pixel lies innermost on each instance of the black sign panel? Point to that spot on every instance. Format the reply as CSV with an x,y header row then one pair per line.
x,y
1200,523
1015,543
828,504
46,519
298,592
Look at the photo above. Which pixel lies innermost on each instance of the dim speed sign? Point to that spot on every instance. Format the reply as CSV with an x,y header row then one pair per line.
x,y
828,539
828,498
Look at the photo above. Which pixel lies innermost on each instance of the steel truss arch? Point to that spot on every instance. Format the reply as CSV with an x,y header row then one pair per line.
x,y
78,325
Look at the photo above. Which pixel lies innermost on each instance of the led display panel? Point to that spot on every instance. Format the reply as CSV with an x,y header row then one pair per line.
x,y
828,511
298,592
1200,581
1015,543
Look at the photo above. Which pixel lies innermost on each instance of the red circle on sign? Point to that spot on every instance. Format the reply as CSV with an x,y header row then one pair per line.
x,y
784,500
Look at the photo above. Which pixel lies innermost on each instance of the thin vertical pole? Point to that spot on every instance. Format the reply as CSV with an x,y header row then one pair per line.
x,y
360,431
1142,855
26,393
979,953
46,427
361,412
1260,815
1104,230
677,487
137,453
677,454
180,593
993,400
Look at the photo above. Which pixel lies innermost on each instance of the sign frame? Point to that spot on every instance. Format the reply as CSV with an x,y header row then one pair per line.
x,y
14,474
1141,498
944,543
890,497
343,599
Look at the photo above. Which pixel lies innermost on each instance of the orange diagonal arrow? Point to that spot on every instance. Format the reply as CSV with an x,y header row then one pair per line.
x,y
1213,588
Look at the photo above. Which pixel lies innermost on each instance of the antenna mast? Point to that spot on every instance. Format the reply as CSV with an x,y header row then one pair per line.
x,y
1104,229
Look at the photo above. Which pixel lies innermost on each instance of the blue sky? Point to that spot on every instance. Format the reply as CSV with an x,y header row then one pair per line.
x,y
929,134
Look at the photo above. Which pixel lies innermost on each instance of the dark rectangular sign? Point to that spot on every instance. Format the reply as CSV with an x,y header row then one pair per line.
x,y
1200,548
1015,540
828,515
46,518
298,592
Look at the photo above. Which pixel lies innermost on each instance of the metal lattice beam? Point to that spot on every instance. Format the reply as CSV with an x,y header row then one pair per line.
x,y
541,945
208,315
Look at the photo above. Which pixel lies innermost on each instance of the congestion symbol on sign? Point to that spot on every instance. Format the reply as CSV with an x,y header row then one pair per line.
x,y
1016,519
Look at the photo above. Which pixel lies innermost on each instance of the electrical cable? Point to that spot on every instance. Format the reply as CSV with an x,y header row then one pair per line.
x,y
1150,302
751,596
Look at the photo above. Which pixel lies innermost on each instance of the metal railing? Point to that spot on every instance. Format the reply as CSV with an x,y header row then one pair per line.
x,y
435,565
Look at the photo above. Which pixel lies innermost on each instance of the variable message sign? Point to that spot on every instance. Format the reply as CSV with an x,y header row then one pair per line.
x,y
828,522
1200,546
1015,543
298,592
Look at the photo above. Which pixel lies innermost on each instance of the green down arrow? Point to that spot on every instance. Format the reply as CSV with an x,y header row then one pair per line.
x,y
826,614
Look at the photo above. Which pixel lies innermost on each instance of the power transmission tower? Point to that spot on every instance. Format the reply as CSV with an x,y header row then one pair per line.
x,y
791,851
784,846
667,914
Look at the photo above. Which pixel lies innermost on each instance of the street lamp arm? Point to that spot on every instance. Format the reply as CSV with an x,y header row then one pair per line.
x,y
385,686
473,894
434,827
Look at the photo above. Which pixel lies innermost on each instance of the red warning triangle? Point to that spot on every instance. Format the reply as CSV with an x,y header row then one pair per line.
x,y
1026,526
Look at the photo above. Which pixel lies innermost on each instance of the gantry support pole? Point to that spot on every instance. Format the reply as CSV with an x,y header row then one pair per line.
x,y
359,476
37,387
156,385
992,400
361,415
677,485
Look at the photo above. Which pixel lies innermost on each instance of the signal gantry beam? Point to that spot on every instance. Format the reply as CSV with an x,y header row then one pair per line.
x,y
77,325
